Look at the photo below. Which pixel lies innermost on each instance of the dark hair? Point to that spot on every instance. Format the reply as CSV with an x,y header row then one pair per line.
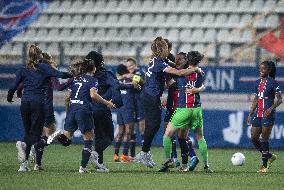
x,y
97,58
121,69
170,44
131,59
271,66
194,58
81,67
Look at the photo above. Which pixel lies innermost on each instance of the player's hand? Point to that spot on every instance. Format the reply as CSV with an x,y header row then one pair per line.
x,y
268,112
110,104
10,96
136,85
249,120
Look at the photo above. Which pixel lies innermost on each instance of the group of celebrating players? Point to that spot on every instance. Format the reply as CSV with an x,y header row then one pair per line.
x,y
93,91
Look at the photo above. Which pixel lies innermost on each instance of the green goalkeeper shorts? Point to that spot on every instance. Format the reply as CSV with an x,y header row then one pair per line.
x,y
184,118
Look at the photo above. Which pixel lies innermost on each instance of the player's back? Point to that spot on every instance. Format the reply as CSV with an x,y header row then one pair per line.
x,y
80,98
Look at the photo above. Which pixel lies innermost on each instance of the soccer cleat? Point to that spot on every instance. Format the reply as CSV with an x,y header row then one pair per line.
x,y
271,160
207,169
184,168
51,138
145,158
94,158
262,169
102,168
24,167
125,158
83,170
168,164
21,147
193,163
38,168
116,158
33,155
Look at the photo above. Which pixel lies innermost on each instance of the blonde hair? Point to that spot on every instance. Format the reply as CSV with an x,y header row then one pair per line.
x,y
48,58
34,56
158,47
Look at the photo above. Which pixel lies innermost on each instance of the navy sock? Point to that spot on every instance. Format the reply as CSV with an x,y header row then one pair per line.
x,y
117,147
258,145
142,140
265,153
190,148
86,153
28,150
39,148
132,148
101,156
125,148
184,150
174,148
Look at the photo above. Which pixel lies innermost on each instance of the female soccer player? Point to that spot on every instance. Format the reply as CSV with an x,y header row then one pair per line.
x,y
172,100
262,112
125,114
109,89
80,115
152,91
188,113
35,79
137,76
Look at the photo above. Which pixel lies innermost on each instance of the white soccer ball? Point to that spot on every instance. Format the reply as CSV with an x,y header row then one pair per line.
x,y
238,159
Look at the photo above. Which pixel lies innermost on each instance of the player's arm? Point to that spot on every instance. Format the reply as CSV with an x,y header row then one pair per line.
x,y
277,103
67,101
50,71
181,72
60,86
252,109
195,90
96,97
12,90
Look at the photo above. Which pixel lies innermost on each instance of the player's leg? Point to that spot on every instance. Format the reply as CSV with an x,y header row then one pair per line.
x,y
255,133
266,155
182,134
88,137
117,143
152,110
127,135
197,126
25,146
167,144
194,160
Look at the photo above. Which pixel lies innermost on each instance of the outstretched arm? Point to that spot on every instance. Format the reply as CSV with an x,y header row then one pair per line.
x,y
181,72
95,96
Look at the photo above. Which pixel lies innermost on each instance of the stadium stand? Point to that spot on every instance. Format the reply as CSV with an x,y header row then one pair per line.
x,y
118,27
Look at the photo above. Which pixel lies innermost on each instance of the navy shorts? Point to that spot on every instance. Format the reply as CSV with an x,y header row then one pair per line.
x,y
125,116
139,109
262,122
49,117
79,119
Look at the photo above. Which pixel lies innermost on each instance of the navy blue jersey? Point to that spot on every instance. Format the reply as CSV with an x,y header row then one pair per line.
x,y
36,81
80,98
265,90
127,93
186,100
155,76
108,88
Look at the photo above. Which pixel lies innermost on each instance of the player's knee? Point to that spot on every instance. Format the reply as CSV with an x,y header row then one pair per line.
x,y
64,140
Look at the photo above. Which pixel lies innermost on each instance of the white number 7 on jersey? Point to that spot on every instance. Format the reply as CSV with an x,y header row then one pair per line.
x,y
80,85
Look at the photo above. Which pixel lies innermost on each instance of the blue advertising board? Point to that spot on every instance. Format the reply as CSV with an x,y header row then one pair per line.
x,y
228,131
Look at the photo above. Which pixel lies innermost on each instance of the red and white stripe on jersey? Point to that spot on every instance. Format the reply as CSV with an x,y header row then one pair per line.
x,y
260,101
190,98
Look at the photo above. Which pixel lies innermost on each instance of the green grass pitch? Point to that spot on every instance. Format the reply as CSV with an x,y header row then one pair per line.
x,y
62,163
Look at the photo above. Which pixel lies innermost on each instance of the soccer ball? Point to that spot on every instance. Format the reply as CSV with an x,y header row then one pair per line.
x,y
238,159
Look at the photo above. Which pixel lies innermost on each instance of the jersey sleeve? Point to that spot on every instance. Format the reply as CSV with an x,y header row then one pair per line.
x,y
19,79
51,72
162,65
94,83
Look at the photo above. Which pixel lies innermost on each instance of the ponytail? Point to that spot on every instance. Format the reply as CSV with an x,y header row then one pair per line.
x,y
34,56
